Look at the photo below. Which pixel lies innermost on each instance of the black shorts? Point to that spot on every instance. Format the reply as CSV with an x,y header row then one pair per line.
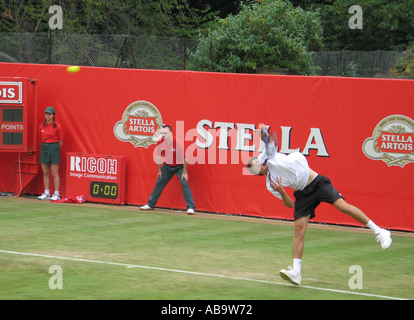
x,y
320,189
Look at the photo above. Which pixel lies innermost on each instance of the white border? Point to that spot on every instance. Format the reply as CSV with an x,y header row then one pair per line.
x,y
20,97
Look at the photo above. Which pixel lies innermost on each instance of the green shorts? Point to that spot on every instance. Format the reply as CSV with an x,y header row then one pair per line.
x,y
50,153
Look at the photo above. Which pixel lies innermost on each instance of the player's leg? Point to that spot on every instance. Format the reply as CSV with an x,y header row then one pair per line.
x,y
161,183
383,236
301,225
326,192
187,194
351,210
293,274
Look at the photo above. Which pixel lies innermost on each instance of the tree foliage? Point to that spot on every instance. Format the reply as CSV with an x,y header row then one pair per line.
x,y
250,34
264,34
163,17
404,68
387,25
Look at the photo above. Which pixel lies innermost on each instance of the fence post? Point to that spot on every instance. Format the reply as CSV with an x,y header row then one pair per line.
x,y
130,52
126,46
211,47
379,61
49,58
185,53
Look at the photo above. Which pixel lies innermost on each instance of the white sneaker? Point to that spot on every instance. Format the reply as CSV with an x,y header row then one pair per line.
x,y
190,211
44,196
55,197
146,207
384,237
291,275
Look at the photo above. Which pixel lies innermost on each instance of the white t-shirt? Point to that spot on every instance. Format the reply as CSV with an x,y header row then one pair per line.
x,y
293,169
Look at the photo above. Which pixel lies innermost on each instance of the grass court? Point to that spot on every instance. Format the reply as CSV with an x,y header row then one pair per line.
x,y
117,252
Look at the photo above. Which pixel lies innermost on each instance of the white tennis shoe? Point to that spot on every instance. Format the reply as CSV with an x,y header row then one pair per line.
x,y
291,275
55,197
44,196
146,207
384,238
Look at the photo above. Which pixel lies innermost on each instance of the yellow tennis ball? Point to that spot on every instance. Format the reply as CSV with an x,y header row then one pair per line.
x,y
73,69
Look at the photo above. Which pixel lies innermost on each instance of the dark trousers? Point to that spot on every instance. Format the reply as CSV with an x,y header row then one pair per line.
x,y
167,172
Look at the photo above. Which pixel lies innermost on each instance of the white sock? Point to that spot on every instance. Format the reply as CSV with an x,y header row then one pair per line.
x,y
57,193
373,227
47,192
297,264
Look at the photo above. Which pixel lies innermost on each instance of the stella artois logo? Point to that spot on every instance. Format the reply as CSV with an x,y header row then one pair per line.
x,y
392,141
139,124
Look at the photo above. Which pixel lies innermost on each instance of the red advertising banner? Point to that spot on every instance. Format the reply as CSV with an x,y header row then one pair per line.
x,y
357,132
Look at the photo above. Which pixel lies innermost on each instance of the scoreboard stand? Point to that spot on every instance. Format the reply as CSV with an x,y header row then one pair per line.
x,y
18,135
100,178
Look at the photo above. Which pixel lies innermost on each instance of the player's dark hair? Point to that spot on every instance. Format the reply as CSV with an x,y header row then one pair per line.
x,y
166,126
249,167
250,162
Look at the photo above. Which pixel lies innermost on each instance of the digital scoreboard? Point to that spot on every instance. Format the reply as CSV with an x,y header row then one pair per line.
x,y
100,178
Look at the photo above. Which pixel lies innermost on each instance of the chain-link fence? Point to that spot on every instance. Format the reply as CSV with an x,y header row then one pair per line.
x,y
150,52
143,52
367,64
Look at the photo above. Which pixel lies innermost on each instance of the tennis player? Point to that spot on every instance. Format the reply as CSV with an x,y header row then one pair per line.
x,y
310,190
